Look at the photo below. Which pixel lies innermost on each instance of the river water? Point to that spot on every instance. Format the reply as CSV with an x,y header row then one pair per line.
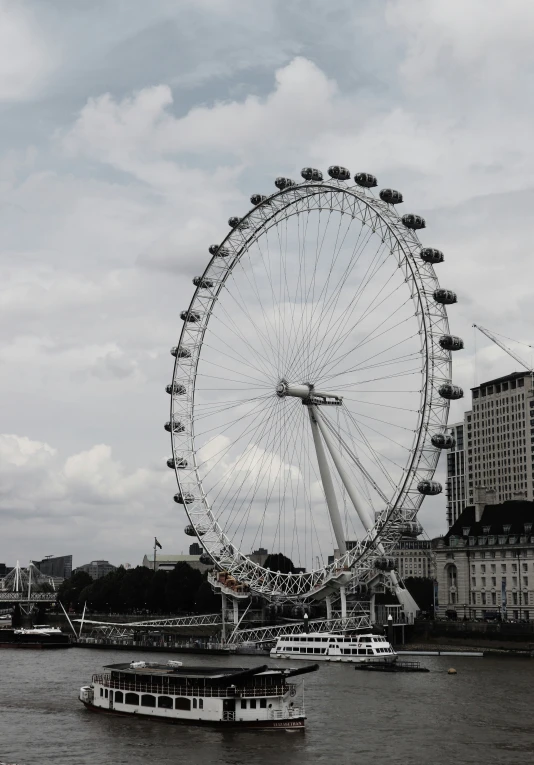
x,y
482,715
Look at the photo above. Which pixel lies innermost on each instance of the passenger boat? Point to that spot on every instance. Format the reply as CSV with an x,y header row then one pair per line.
x,y
40,636
260,697
326,646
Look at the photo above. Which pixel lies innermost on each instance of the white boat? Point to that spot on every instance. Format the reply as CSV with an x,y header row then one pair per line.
x,y
327,646
220,696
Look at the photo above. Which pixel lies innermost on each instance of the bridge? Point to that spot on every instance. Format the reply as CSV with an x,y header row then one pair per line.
x,y
23,597
210,624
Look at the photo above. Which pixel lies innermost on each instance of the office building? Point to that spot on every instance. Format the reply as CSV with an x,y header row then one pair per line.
x,y
455,484
97,568
499,436
59,566
195,549
414,558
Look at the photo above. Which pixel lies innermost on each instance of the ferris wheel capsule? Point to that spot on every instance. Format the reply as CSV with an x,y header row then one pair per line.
x,y
443,441
450,392
174,426
191,316
431,255
391,196
445,297
206,560
202,282
311,174
175,389
257,199
413,221
366,180
180,353
451,343
385,564
220,252
411,529
429,488
235,222
339,173
184,499
284,183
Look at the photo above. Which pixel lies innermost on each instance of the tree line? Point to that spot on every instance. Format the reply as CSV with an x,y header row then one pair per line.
x,y
141,590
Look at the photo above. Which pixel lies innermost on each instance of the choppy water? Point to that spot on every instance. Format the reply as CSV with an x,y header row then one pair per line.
x,y
482,715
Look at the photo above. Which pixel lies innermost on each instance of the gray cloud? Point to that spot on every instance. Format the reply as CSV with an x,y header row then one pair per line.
x,y
127,141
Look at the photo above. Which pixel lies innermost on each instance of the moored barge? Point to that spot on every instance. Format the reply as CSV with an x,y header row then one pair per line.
x,y
40,636
260,697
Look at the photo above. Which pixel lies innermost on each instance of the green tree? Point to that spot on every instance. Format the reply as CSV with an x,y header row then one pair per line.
x,y
279,562
69,590
183,583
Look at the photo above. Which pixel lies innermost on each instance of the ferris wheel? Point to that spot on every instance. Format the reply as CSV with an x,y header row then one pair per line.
x,y
311,386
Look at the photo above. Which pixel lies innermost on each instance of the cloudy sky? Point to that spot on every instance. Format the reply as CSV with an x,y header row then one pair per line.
x,y
131,131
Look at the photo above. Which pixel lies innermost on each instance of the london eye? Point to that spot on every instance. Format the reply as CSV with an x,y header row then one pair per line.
x,y
311,386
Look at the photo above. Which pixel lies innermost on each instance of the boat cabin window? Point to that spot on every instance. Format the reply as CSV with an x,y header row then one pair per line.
x,y
118,697
165,702
182,703
201,703
101,691
132,698
243,703
194,703
147,700
253,703
106,693
263,703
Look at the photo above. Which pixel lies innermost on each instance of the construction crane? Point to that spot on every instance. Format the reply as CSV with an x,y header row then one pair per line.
x,y
504,347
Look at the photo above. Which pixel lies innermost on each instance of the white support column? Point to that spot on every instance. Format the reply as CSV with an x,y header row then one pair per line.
x,y
343,474
328,606
343,595
405,599
235,604
328,485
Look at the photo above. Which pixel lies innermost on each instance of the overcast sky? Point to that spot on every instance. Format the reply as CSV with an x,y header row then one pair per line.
x,y
131,131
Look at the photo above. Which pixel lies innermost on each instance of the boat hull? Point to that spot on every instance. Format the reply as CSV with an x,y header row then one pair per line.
x,y
297,723
389,659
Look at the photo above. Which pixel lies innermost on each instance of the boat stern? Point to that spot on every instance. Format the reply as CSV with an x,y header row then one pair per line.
x,y
86,694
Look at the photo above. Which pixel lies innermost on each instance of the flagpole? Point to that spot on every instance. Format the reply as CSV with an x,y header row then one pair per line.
x,y
154,554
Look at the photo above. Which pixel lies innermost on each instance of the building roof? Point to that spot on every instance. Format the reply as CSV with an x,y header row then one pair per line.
x,y
506,378
173,558
514,513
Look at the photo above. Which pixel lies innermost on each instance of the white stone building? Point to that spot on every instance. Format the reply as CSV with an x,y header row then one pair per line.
x,y
414,558
485,563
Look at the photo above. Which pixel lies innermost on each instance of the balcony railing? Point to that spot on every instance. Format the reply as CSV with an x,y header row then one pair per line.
x,y
286,714
191,690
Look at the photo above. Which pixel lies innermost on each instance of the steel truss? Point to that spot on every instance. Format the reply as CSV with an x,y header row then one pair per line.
x,y
384,533
271,634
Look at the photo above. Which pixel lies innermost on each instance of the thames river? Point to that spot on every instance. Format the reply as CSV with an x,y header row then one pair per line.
x,y
482,715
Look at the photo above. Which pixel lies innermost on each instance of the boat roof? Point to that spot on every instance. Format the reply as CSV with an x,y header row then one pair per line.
x,y
208,673
330,635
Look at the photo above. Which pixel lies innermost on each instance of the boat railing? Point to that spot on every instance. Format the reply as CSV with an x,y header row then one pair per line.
x,y
192,690
284,714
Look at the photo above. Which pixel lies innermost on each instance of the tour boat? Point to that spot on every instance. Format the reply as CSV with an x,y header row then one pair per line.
x,y
326,646
260,697
40,636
